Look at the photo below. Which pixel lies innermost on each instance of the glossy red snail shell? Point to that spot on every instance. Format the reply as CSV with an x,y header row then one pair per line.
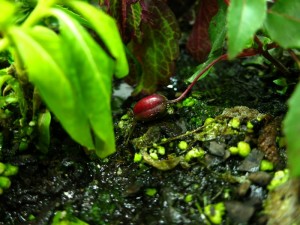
x,y
150,107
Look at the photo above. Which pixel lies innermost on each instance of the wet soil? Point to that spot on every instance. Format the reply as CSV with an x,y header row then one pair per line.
x,y
118,190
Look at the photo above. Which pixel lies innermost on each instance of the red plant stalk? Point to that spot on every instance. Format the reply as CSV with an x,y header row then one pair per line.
x,y
246,53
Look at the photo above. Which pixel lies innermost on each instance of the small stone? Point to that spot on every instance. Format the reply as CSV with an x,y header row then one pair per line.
x,y
252,162
216,148
243,188
239,212
260,178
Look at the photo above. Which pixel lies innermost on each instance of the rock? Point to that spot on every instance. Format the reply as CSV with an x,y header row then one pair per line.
x,y
239,212
252,162
260,178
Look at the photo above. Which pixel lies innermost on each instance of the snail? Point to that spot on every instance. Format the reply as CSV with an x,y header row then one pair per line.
x,y
150,107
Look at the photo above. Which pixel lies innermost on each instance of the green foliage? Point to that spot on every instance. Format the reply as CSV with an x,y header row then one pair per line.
x,y
107,31
291,127
280,23
157,49
63,218
283,22
217,33
6,170
44,121
7,11
151,32
70,70
244,18
135,19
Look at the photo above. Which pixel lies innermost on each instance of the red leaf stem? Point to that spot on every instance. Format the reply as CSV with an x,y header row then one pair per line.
x,y
246,53
222,57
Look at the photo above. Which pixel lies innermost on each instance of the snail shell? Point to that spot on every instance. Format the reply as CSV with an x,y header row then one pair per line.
x,y
150,107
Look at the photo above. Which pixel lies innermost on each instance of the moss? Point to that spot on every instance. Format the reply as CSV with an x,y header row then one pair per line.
x,y
188,198
280,177
266,165
234,122
244,148
150,192
194,153
234,150
183,145
137,157
188,102
4,182
161,150
215,212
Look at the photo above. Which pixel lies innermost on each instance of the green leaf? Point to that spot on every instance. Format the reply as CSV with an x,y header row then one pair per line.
x,y
134,19
217,34
244,18
47,71
43,123
7,12
90,73
18,93
107,29
283,23
64,218
73,74
3,78
158,48
291,125
200,68
75,16
217,31
51,42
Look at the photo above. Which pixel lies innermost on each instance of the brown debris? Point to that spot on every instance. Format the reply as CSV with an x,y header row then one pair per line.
x,y
267,140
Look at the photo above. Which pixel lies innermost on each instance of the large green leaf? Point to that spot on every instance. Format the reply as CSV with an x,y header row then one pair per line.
x,y
292,130
7,12
90,73
244,18
283,23
107,29
47,71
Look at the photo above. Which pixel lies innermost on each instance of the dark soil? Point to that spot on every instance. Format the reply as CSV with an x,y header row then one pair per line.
x,y
117,190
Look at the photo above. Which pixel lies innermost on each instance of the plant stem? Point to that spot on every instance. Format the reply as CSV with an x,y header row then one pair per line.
x,y
275,62
269,57
294,56
222,57
181,135
38,12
